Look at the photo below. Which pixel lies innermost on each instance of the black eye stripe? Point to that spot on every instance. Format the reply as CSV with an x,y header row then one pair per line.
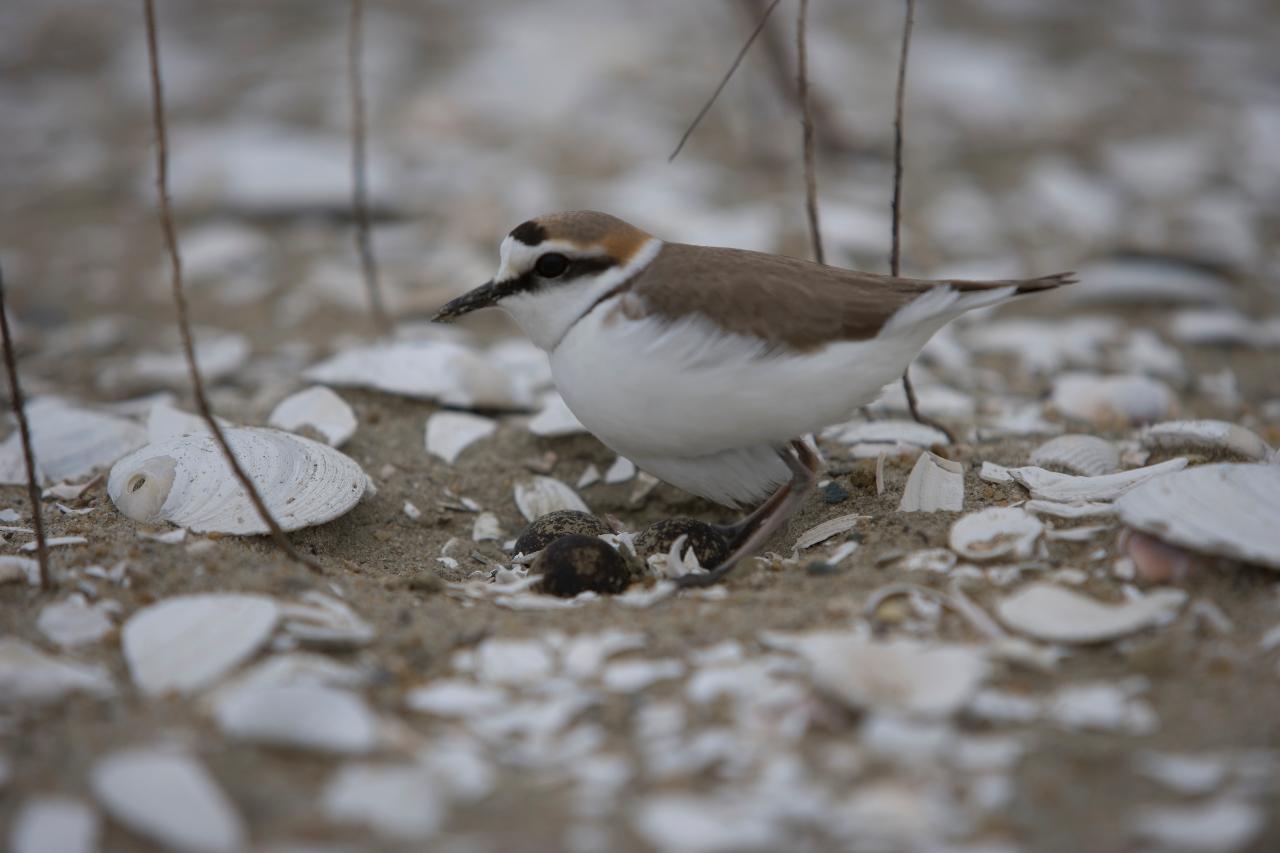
x,y
530,282
588,266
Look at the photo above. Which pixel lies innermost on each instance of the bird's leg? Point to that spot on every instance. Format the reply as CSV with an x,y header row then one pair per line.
x,y
756,528
736,533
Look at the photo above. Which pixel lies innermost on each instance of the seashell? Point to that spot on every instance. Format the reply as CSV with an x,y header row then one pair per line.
x,y
68,442
164,421
1051,613
1206,435
74,622
902,676
929,560
323,621
1225,510
555,419
170,798
28,674
299,716
1000,531
1087,455
1041,346
1069,488
548,527
218,353
537,496
1132,399
590,476
1147,280
1215,327
450,433
321,410
890,432
54,823
1226,822
186,481
188,642
487,528
829,528
575,563
435,369
934,484
401,802
1071,511
622,470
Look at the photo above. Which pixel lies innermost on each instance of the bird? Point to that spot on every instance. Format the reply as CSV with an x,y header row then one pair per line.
x,y
707,366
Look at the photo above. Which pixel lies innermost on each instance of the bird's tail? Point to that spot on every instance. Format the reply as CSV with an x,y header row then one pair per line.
x,y
1019,285
949,299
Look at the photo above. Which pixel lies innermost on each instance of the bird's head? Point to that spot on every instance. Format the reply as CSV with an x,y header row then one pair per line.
x,y
553,270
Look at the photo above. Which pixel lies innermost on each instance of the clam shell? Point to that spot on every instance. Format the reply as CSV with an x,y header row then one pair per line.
x,y
1226,510
1000,531
68,442
186,481
1206,435
538,496
1078,454
1049,612
450,433
934,484
321,410
1131,399
829,528
1069,488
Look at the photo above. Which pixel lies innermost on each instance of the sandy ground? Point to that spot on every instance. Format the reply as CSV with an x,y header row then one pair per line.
x,y
80,245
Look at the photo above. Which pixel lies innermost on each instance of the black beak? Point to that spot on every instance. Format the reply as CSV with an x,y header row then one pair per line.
x,y
483,296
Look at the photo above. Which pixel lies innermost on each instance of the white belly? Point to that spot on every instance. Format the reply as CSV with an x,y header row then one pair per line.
x,y
704,410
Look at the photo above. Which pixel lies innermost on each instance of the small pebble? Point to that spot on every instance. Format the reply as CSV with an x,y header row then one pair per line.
x,y
576,563
834,493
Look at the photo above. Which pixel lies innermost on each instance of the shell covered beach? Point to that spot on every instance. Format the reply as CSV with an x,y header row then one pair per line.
x,y
1060,631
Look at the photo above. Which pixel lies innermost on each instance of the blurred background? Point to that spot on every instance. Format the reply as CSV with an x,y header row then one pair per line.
x,y
1040,136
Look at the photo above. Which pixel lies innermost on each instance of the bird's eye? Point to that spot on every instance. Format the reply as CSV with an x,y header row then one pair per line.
x,y
551,265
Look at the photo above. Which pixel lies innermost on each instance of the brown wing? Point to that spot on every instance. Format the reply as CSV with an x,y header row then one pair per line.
x,y
785,300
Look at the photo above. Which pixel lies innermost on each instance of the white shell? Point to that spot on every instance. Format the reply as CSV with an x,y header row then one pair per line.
x,y
218,353
622,470
1073,511
164,421
305,716
487,528
188,642
186,481
321,410
170,798
73,621
450,433
1148,281
444,370
1228,510
401,801
54,825
827,529
325,622
1206,435
1087,455
1100,399
29,675
68,442
1216,326
1049,612
887,432
555,419
934,484
901,676
537,496
999,531
1068,488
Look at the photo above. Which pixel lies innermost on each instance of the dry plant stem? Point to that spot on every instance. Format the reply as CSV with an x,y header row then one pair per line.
x,y
180,299
359,179
810,171
764,19
24,430
895,251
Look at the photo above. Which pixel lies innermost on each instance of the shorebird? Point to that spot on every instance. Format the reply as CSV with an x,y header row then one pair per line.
x,y
707,366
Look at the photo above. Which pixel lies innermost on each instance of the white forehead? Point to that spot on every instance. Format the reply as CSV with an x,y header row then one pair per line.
x,y
516,258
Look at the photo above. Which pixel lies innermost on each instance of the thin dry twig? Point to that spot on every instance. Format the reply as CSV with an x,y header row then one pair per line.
x,y
895,251
810,170
24,431
764,19
180,299
359,178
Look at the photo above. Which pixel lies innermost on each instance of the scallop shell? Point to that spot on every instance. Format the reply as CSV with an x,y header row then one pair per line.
x,y
999,531
538,496
186,481
1207,435
1226,510
1078,454
321,410
934,484
68,442
1107,399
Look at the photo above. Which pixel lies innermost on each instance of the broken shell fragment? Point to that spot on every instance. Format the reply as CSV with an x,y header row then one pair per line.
x,y
450,433
1099,399
1206,436
187,482
538,496
545,529
575,563
1069,488
708,544
1052,613
68,442
1225,510
1000,531
934,484
320,409
1086,455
